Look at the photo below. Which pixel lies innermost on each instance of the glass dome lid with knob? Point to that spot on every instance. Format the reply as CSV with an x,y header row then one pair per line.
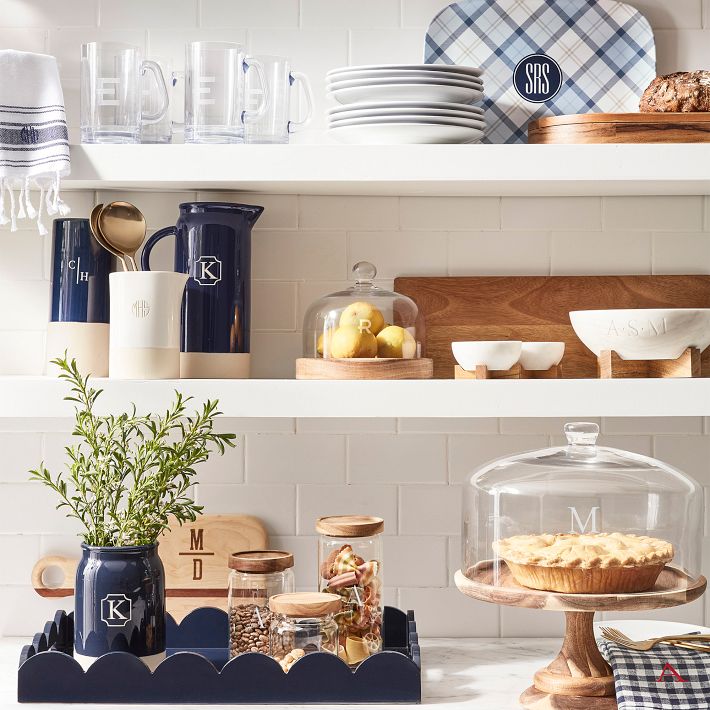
x,y
582,518
364,331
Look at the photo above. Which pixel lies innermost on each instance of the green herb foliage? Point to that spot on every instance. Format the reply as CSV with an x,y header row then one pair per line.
x,y
130,473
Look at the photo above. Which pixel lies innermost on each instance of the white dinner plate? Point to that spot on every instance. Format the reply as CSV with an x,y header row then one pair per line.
x,y
454,68
404,133
454,93
407,105
642,629
439,120
403,74
424,81
356,112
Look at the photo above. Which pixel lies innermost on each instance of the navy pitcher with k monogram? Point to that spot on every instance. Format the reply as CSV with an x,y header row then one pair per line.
x,y
213,246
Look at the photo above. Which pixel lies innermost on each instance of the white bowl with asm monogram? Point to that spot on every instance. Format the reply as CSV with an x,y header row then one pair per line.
x,y
643,333
144,341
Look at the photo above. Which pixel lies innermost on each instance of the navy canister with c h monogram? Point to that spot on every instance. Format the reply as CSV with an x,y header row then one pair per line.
x,y
213,246
120,603
80,269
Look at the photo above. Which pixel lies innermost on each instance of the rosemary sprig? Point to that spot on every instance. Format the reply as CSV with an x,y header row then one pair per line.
x,y
129,474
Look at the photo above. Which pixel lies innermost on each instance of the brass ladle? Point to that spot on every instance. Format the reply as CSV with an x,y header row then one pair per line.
x,y
123,228
94,222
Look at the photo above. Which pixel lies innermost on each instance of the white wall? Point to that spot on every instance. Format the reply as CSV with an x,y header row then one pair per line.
x,y
289,471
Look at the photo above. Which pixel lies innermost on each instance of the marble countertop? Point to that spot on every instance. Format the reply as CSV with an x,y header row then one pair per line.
x,y
476,674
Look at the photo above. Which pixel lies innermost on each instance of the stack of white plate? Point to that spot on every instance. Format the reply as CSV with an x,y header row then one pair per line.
x,y
406,103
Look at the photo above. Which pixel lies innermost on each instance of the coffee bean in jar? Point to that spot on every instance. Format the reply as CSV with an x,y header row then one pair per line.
x,y
255,576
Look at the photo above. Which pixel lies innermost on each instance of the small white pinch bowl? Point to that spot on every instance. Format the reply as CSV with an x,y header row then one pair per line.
x,y
494,354
643,333
541,356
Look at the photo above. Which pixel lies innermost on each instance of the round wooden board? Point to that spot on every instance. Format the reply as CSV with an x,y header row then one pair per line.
x,y
364,369
673,588
533,699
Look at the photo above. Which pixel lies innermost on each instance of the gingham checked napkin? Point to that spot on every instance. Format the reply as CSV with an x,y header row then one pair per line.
x,y
665,678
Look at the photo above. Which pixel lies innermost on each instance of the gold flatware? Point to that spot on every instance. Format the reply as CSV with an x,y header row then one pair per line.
x,y
94,223
123,227
685,640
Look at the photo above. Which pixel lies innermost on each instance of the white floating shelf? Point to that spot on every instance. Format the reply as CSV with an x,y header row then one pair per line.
x,y
332,169
42,397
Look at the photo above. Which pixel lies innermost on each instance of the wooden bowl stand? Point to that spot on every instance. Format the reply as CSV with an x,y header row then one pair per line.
x,y
689,364
517,372
366,368
579,678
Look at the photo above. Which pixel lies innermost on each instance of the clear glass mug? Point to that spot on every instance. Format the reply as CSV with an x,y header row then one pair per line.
x,y
111,93
160,131
273,125
215,108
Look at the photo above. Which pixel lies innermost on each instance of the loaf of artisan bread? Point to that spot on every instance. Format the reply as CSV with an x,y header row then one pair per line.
x,y
682,92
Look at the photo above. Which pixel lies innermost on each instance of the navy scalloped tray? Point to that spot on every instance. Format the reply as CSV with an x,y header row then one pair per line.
x,y
196,670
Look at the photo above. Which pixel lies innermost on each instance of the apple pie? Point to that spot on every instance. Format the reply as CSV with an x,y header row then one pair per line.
x,y
595,563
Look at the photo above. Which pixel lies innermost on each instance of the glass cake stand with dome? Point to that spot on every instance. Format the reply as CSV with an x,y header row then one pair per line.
x,y
584,499
363,332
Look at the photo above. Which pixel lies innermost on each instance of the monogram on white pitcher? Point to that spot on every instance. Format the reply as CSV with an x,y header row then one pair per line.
x,y
111,97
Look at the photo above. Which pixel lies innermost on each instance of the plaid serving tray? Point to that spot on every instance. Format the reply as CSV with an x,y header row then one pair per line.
x,y
546,57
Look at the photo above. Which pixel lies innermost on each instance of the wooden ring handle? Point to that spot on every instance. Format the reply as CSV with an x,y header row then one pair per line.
x,y
68,567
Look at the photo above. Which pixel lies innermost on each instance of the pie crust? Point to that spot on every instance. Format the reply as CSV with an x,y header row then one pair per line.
x,y
588,563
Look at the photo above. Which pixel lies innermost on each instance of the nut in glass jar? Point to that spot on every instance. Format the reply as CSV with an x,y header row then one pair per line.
x,y
303,623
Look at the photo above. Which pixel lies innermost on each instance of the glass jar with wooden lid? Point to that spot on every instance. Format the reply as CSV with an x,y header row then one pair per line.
x,y
303,623
255,576
350,565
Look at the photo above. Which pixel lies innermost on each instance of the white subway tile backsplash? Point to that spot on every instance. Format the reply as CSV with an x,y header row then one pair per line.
x,y
25,611
530,623
136,13
22,353
692,613
449,213
19,554
652,425
600,253
315,501
344,425
46,13
430,510
284,255
690,454
415,561
467,453
657,214
305,557
342,13
675,253
30,305
448,613
249,13
23,254
21,452
682,50
31,508
680,14
273,305
420,13
289,458
499,254
274,504
535,213
386,46
540,425
23,39
336,212
448,426
400,253
399,458
280,211
273,355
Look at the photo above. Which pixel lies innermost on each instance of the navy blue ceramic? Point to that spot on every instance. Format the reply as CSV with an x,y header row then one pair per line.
x,y
119,601
80,269
213,246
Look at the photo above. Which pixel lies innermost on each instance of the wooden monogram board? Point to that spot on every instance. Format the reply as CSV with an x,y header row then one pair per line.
x,y
622,128
535,308
194,556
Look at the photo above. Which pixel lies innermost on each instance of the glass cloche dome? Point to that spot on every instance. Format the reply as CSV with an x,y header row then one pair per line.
x,y
363,321
582,518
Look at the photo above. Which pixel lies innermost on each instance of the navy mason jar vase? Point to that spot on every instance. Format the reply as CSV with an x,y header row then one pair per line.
x,y
120,603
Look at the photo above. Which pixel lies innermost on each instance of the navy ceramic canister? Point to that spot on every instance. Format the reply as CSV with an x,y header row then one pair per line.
x,y
213,246
120,603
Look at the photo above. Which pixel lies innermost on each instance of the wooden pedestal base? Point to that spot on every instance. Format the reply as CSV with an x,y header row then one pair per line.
x,y
579,678
517,372
689,364
369,368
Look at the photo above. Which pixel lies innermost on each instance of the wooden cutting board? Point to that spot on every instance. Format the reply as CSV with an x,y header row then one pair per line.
x,y
535,308
195,559
622,128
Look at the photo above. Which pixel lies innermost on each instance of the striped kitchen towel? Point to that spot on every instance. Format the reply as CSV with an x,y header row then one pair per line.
x,y
34,143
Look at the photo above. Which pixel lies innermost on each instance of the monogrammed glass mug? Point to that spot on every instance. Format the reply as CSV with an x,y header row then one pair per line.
x,y
111,79
215,107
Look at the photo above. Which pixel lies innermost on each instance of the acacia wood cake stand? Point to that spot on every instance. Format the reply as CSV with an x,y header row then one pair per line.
x,y
579,678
